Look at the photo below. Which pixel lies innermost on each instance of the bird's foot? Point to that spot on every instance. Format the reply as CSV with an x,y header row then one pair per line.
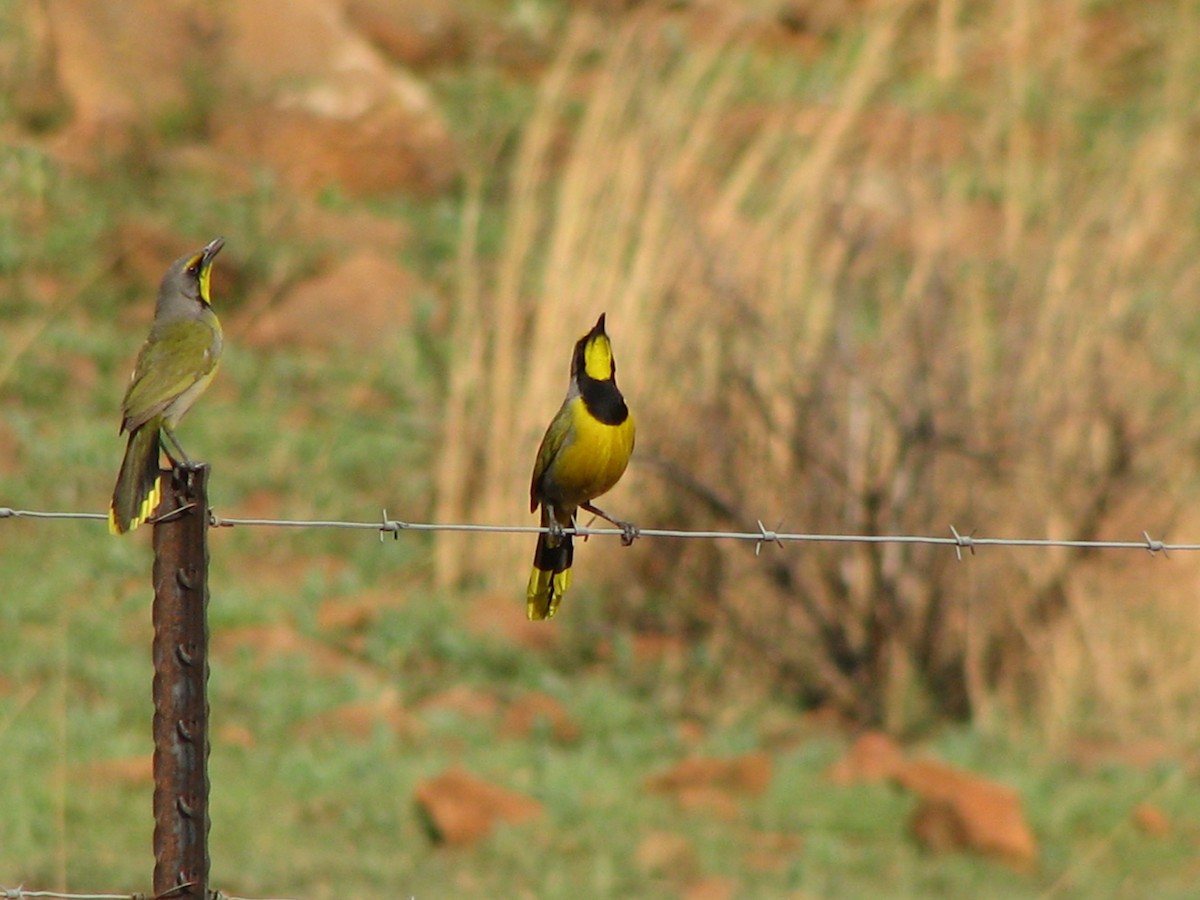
x,y
629,531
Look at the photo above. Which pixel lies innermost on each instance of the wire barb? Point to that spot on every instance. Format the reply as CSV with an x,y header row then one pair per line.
x,y
390,526
1154,546
961,541
767,537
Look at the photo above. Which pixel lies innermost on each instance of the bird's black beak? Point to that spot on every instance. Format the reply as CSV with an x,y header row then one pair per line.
x,y
211,249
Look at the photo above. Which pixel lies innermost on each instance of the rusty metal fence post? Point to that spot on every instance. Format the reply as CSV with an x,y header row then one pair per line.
x,y
180,614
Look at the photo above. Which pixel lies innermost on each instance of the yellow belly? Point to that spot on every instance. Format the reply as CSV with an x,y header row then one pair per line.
x,y
591,461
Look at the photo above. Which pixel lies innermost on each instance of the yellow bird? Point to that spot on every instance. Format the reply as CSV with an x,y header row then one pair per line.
x,y
175,365
583,454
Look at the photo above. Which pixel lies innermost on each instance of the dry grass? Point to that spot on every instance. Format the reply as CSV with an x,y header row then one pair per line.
x,y
941,276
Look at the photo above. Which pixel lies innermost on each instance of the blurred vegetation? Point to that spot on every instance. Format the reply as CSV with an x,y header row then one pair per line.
x,y
896,269
938,274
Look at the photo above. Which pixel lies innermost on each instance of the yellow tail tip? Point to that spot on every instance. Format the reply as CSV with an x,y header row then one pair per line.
x,y
545,592
145,511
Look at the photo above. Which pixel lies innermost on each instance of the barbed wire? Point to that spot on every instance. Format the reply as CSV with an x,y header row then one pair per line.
x,y
19,893
763,535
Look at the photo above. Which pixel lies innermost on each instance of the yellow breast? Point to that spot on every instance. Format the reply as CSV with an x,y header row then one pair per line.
x,y
592,459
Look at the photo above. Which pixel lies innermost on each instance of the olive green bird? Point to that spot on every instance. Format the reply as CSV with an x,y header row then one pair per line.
x,y
174,367
583,454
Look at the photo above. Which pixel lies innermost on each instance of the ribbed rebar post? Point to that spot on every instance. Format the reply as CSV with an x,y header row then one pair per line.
x,y
180,615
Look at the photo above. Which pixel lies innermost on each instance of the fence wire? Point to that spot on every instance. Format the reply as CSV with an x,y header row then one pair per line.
x,y
19,893
385,525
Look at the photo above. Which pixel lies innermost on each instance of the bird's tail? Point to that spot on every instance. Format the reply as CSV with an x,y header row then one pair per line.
x,y
551,575
138,490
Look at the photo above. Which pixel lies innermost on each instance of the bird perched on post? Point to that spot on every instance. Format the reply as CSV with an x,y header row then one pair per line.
x,y
174,367
583,454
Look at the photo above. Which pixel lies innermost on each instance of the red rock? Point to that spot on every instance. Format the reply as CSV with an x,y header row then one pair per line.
x,y
121,65
358,303
289,83
324,108
1151,820
963,811
714,785
665,853
748,774
385,149
525,716
417,33
462,809
872,758
937,827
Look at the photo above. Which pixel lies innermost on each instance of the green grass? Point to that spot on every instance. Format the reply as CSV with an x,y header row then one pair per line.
x,y
330,815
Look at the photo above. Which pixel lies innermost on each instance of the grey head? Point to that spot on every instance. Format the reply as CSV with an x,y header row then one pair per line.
x,y
184,291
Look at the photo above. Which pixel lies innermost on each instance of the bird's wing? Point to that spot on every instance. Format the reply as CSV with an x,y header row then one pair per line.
x,y
173,358
552,443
